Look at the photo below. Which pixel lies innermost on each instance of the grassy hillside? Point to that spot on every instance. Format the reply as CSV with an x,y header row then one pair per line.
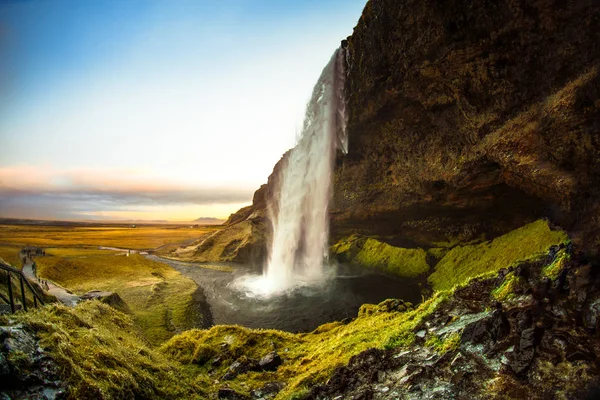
x,y
464,262
102,355
159,297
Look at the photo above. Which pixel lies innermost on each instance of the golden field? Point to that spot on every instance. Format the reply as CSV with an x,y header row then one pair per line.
x,y
143,237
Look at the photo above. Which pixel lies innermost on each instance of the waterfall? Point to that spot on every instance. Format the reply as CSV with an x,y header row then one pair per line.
x,y
301,224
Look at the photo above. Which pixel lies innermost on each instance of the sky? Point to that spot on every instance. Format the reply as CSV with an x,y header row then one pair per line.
x,y
154,109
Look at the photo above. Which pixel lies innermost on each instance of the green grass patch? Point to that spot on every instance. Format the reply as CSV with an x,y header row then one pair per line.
x,y
444,345
141,237
560,262
309,358
102,355
10,255
464,262
159,297
507,289
371,253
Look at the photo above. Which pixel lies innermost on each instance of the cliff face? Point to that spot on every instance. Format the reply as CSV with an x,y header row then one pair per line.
x,y
467,119
470,118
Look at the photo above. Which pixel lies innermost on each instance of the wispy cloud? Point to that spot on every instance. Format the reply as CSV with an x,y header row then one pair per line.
x,y
49,193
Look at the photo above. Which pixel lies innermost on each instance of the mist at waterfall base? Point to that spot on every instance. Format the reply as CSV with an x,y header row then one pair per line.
x,y
299,289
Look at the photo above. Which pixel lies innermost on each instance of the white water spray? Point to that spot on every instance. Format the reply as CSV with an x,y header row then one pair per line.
x,y
301,223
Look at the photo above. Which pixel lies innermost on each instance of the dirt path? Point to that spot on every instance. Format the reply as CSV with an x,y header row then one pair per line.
x,y
55,290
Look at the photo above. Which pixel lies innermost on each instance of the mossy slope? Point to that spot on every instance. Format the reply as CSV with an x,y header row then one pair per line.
x,y
464,262
371,253
101,354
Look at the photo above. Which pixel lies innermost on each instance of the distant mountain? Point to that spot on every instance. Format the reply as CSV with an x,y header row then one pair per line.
x,y
209,221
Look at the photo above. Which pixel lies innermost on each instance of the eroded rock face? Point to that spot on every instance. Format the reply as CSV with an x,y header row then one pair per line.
x,y
467,118
470,117
533,344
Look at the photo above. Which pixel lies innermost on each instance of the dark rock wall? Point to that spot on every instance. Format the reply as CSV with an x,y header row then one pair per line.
x,y
469,118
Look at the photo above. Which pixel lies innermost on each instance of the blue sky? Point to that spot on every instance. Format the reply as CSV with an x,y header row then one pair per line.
x,y
154,109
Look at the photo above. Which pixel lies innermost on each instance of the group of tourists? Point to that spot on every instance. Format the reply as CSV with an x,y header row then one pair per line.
x,y
29,254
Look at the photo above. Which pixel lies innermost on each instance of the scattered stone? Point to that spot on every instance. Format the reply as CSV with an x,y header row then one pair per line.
x,y
110,298
270,362
268,391
230,394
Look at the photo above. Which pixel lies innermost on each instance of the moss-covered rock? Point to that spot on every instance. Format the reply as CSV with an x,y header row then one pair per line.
x,y
464,262
371,253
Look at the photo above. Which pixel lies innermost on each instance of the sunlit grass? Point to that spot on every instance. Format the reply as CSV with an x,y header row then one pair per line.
x,y
464,262
159,297
10,255
141,237
310,358
102,355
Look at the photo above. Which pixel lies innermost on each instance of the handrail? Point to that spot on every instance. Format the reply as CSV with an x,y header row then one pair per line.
x,y
23,282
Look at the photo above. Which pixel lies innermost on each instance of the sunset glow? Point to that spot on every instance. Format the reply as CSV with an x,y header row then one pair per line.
x,y
150,109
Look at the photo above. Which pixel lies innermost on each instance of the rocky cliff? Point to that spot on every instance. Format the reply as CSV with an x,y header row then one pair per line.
x,y
467,119
470,118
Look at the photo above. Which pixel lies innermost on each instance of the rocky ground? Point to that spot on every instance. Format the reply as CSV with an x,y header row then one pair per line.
x,y
525,334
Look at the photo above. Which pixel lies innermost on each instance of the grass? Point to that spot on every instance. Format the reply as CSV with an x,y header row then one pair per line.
x,y
464,262
139,238
507,289
159,297
225,245
102,355
560,261
10,255
371,253
444,345
309,358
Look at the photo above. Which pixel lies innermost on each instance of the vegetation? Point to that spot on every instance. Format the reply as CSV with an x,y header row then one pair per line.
x,y
371,253
507,289
560,261
159,297
10,254
141,237
444,345
101,354
308,358
464,262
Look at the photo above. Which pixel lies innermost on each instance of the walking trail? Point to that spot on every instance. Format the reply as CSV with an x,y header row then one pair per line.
x,y
54,289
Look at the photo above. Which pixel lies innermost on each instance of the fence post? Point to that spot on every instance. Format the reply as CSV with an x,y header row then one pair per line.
x,y
10,292
23,298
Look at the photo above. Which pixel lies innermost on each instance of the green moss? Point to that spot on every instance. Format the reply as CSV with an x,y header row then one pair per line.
x,y
507,289
371,253
464,262
560,262
442,346
309,358
101,354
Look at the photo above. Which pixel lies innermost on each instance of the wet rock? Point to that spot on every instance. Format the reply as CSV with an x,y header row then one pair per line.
x,y
110,298
270,362
241,366
268,391
230,394
590,315
26,371
520,361
487,330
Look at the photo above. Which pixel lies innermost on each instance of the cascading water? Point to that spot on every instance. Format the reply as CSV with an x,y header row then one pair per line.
x,y
301,220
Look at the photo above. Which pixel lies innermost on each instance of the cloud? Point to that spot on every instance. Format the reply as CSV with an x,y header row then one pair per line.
x,y
38,192
119,186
